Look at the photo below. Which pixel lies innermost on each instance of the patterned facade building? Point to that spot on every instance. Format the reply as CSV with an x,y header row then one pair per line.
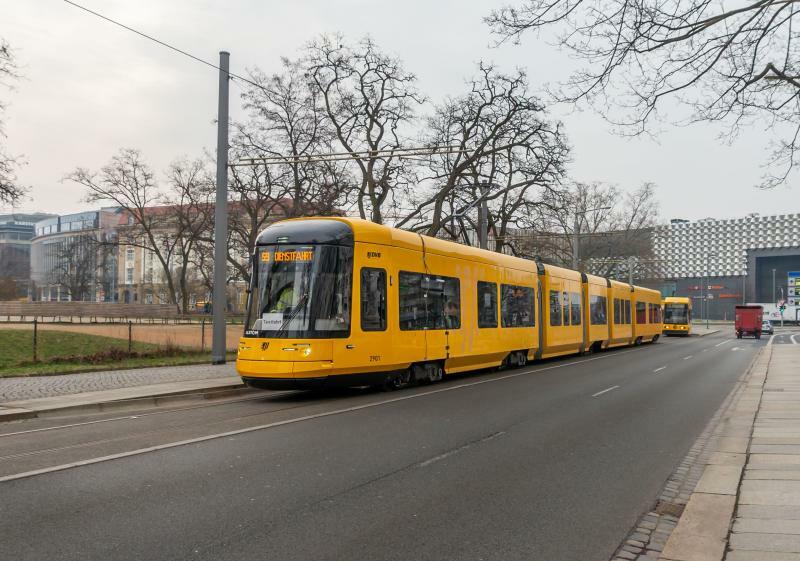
x,y
730,261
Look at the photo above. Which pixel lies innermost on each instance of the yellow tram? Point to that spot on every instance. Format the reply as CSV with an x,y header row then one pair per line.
x,y
341,301
677,316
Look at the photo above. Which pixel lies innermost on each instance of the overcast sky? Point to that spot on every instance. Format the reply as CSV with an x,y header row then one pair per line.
x,y
90,88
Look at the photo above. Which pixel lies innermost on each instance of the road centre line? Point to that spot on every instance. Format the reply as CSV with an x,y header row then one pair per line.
x,y
604,391
725,342
659,369
199,439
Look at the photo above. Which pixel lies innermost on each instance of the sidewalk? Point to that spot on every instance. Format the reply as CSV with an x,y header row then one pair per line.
x,y
746,506
701,330
34,396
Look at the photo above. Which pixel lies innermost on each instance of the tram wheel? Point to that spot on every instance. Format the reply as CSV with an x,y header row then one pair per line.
x,y
397,381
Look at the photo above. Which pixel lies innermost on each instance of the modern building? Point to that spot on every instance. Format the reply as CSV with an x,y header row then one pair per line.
x,y
721,263
74,257
16,232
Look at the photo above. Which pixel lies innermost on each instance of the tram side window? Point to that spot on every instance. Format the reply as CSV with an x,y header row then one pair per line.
x,y
641,312
373,299
518,307
575,307
487,304
413,311
617,311
597,310
429,302
555,307
627,311
444,302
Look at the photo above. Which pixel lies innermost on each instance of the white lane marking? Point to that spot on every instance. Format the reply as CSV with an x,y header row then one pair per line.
x,y
793,341
659,369
604,391
687,357
164,412
735,348
771,339
449,453
724,342
199,439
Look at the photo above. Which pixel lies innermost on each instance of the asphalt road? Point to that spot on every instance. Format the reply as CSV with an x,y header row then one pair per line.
x,y
555,461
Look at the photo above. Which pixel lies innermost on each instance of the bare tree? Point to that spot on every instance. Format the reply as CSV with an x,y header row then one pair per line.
x,y
76,266
508,154
369,100
10,190
737,64
288,121
192,210
612,226
155,224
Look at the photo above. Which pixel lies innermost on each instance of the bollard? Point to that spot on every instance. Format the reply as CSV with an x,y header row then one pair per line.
x,y
130,338
203,335
35,334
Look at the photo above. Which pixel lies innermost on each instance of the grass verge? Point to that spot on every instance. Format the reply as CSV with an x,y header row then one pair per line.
x,y
60,352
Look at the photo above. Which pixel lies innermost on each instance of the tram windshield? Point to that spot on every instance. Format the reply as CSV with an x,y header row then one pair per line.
x,y
676,314
301,292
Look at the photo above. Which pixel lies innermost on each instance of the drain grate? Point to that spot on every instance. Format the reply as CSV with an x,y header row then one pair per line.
x,y
663,507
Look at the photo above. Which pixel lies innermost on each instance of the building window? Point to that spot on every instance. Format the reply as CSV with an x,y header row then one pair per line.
x,y
129,275
129,255
555,307
373,299
429,302
597,310
518,307
487,304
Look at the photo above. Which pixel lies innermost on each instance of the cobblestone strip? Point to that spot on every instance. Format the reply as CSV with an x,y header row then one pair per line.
x,y
19,388
648,538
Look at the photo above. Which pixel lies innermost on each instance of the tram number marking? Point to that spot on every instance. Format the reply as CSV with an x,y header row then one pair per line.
x,y
373,255
374,358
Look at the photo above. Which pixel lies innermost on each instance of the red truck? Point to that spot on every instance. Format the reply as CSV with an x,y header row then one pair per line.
x,y
748,321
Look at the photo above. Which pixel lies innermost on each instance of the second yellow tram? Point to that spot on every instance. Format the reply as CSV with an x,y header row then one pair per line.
x,y
677,316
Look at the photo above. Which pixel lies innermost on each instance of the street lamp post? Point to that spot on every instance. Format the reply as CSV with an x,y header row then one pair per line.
x,y
704,298
773,285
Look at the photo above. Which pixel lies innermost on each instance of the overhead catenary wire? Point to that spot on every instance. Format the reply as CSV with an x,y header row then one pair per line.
x,y
163,43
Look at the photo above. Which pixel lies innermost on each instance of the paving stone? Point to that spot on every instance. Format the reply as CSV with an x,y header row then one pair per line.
x,y
761,556
766,526
787,543
768,512
759,492
701,532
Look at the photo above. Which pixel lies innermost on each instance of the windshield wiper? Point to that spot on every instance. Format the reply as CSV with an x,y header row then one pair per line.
x,y
301,305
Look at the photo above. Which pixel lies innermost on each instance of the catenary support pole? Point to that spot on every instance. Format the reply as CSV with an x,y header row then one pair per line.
x,y
576,242
219,299
483,218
